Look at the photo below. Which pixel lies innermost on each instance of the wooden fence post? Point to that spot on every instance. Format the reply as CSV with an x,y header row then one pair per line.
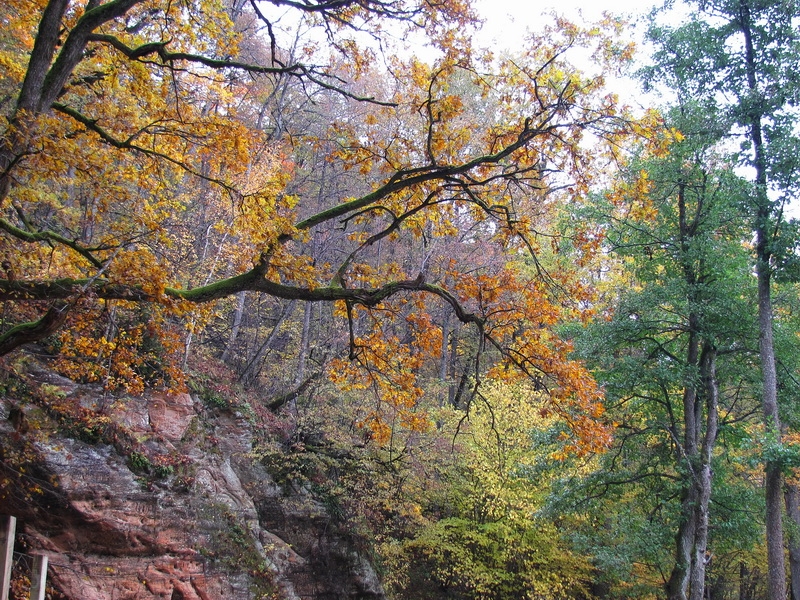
x,y
38,576
8,530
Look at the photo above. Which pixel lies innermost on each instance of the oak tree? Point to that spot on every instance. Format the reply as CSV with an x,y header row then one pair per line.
x,y
125,118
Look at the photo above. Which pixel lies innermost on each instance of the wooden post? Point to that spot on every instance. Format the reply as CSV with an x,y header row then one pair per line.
x,y
8,530
38,576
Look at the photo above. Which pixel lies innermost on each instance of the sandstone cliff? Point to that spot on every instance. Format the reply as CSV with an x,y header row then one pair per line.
x,y
160,496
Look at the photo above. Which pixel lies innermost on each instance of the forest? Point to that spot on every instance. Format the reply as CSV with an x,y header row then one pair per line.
x,y
525,337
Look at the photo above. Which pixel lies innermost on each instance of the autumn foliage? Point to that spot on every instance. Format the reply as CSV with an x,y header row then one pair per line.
x,y
150,170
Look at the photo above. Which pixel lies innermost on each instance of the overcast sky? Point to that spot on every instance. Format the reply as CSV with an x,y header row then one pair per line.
x,y
507,21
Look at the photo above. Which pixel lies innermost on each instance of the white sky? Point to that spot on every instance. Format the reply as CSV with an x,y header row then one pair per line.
x,y
509,19
507,22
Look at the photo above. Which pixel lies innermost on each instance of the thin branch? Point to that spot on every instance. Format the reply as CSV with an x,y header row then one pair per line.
x,y
167,58
407,178
49,236
128,144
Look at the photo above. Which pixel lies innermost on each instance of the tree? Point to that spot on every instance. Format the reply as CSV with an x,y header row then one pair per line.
x,y
485,538
127,115
742,57
674,223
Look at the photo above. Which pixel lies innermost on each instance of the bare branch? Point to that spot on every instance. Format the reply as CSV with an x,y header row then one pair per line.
x,y
167,58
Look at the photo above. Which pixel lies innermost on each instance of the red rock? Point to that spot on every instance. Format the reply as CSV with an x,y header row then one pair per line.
x,y
111,533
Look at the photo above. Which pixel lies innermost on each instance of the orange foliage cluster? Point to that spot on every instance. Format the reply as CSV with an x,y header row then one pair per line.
x,y
150,177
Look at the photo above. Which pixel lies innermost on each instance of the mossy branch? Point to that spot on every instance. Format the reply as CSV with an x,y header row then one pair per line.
x,y
33,331
62,290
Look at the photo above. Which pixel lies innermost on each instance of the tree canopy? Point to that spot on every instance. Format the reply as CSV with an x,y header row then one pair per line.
x,y
127,120
523,328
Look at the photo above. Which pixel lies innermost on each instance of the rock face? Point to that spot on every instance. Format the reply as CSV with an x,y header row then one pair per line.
x,y
176,508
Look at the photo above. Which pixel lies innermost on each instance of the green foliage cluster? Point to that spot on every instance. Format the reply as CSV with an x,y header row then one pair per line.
x,y
212,398
160,467
493,561
330,477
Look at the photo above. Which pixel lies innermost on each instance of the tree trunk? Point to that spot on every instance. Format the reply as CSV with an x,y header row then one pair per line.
x,y
251,370
678,583
444,361
776,570
455,388
304,344
792,497
745,583
237,323
702,479
773,485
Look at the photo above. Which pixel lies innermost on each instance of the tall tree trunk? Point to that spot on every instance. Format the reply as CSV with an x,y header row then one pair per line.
x,y
792,497
455,389
250,371
700,392
708,372
745,585
776,571
773,485
678,583
444,361
304,344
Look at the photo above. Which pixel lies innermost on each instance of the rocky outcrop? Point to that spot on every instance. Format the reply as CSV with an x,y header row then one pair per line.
x,y
162,498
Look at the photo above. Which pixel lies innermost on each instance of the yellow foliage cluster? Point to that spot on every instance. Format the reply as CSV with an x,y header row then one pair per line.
x,y
150,178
